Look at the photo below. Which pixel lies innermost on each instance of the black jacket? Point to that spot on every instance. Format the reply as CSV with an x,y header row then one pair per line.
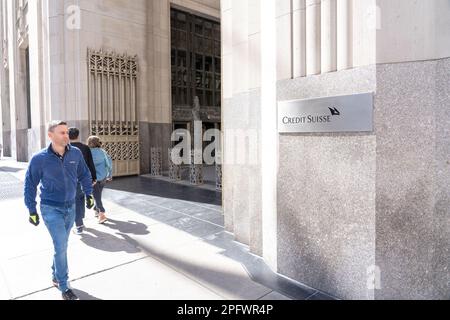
x,y
87,155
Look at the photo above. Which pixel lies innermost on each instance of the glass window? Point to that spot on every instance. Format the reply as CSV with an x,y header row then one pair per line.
x,y
199,79
198,27
209,98
182,40
182,59
208,46
208,80
173,20
198,62
218,99
199,94
217,65
195,59
208,64
181,19
198,44
173,54
174,78
183,96
217,31
173,38
182,78
218,83
217,48
208,30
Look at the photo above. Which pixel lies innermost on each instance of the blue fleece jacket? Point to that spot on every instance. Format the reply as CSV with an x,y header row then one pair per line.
x,y
58,177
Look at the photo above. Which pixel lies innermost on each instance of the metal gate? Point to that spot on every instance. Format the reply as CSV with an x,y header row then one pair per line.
x,y
113,101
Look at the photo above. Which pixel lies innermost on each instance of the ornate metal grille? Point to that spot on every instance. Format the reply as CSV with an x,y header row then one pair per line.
x,y
218,177
196,171
156,161
113,100
174,169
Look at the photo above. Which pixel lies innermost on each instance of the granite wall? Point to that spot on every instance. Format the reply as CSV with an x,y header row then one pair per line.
x,y
326,195
242,170
412,191
366,216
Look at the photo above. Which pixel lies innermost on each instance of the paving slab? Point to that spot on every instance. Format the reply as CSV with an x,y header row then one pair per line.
x,y
274,296
28,273
321,296
4,288
146,279
256,267
32,272
204,262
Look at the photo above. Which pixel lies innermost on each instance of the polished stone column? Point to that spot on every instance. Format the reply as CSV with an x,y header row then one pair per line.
x,y
344,34
328,36
313,43
299,38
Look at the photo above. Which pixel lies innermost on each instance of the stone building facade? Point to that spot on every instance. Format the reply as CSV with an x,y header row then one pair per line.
x,y
360,215
103,66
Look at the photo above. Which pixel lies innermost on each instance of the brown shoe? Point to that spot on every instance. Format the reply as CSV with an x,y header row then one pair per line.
x,y
102,218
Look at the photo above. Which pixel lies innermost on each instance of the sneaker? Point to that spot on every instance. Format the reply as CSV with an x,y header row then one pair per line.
x,y
102,218
78,230
69,295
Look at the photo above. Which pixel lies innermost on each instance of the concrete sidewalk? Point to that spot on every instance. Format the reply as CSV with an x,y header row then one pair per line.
x,y
161,242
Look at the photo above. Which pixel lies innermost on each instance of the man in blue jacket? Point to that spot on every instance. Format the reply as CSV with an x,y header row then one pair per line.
x,y
58,169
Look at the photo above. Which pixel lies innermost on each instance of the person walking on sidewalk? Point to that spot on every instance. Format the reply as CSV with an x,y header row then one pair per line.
x,y
74,135
104,169
58,169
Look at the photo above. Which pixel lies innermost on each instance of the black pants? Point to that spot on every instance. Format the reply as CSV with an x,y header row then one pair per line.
x,y
80,209
98,190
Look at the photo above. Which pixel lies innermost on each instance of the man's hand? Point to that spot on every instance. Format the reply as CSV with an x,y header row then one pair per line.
x,y
34,219
90,201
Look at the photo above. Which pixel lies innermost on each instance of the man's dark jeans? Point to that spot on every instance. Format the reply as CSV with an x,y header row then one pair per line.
x,y
80,209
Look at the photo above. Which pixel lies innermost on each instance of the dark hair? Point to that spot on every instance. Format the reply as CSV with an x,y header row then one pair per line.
x,y
74,133
52,125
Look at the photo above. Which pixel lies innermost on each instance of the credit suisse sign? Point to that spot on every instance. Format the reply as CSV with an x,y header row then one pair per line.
x,y
351,113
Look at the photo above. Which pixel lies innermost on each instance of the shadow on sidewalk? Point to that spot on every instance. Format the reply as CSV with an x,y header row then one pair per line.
x,y
165,189
84,295
257,269
107,242
230,282
10,170
131,227
213,276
